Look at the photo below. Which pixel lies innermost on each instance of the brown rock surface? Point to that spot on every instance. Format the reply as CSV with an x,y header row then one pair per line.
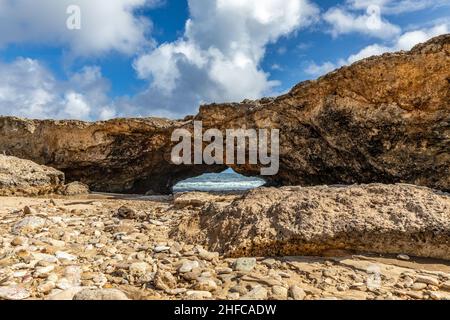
x,y
310,221
121,155
384,119
24,177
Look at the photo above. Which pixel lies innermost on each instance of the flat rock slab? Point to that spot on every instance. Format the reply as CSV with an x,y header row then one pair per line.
x,y
291,221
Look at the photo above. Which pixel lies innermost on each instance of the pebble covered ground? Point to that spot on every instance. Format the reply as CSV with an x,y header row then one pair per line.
x,y
114,247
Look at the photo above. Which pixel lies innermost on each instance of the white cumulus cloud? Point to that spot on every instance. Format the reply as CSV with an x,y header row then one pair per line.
x,y
405,42
218,57
29,89
369,23
105,25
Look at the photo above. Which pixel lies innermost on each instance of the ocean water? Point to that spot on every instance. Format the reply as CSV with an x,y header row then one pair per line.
x,y
225,181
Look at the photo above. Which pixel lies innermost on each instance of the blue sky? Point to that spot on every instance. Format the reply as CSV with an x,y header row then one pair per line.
x,y
166,57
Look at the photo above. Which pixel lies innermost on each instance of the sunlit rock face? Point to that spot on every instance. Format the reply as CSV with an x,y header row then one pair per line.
x,y
384,119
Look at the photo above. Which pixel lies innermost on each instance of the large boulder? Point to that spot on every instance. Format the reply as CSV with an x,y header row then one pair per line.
x,y
20,177
383,119
312,220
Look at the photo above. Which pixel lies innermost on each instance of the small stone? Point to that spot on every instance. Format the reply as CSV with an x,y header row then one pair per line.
x,y
139,269
29,224
125,212
46,287
225,270
427,280
206,284
159,249
164,280
245,264
67,294
419,286
175,292
14,293
297,293
269,262
100,294
75,189
233,296
403,257
29,211
258,293
45,257
437,295
279,293
241,290
415,295
208,256
188,266
61,255
100,280
43,272
190,276
198,295
19,241
446,285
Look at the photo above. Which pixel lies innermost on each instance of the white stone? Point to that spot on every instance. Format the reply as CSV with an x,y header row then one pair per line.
x,y
159,249
198,295
188,266
14,293
61,255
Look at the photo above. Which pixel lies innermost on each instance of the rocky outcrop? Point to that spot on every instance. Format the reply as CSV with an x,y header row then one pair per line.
x,y
19,177
24,177
121,155
384,119
294,221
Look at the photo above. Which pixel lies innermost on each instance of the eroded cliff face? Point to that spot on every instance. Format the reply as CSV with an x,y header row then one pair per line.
x,y
384,119
119,156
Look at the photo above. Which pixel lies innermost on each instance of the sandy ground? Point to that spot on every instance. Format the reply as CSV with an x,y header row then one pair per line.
x,y
103,246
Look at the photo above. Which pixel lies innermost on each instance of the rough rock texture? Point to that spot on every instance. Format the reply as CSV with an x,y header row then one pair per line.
x,y
121,155
384,119
24,177
81,250
309,221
